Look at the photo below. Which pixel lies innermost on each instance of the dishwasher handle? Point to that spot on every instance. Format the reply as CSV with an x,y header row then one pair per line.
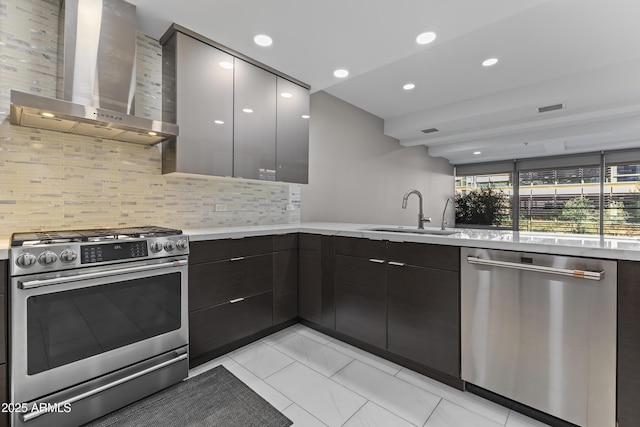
x,y
578,274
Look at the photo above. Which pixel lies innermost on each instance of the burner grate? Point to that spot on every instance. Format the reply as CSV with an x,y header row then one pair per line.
x,y
93,235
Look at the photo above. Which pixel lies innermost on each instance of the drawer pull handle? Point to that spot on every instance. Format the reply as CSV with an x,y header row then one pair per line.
x,y
377,261
233,301
397,264
239,258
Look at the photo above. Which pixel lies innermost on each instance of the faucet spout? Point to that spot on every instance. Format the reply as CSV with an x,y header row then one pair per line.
x,y
421,217
444,223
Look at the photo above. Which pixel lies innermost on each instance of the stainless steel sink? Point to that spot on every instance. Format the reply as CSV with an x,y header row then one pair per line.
x,y
434,231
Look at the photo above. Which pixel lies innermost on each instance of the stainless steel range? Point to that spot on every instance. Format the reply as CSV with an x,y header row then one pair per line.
x,y
98,319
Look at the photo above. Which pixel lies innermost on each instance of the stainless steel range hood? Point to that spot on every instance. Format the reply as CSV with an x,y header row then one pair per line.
x,y
99,80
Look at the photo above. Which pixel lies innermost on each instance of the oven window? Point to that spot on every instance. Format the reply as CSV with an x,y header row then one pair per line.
x,y
67,326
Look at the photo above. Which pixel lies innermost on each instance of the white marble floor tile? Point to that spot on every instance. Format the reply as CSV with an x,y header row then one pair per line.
x,y
448,414
267,392
403,399
222,360
372,415
312,334
275,338
318,357
516,419
326,400
474,403
261,359
302,418
363,356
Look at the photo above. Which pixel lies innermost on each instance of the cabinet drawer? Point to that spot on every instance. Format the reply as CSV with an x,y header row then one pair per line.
x,y
311,242
214,327
425,255
285,242
251,246
361,248
219,282
209,251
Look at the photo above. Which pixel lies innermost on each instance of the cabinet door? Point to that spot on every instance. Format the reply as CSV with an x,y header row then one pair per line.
x,y
424,316
214,327
285,286
628,343
204,108
315,279
361,299
254,148
310,285
292,132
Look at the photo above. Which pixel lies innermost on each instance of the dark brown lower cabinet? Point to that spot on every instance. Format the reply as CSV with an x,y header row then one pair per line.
x,y
4,417
628,343
361,299
217,282
285,278
315,279
424,316
215,327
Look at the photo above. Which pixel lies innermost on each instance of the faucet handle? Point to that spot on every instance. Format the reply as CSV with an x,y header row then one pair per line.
x,y
444,225
426,219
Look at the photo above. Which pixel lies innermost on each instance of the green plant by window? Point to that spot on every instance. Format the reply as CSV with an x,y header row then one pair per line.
x,y
482,206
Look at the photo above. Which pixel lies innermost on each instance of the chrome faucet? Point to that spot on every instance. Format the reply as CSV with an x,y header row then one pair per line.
x,y
421,217
444,223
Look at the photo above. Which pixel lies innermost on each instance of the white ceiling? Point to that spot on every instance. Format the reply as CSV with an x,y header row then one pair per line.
x,y
583,53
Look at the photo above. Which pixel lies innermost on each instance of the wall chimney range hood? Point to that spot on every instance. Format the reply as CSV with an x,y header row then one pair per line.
x,y
98,84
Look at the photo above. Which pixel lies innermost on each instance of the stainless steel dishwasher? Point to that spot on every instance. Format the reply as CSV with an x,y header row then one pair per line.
x,y
541,330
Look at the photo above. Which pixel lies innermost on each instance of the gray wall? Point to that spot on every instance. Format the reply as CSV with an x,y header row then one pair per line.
x,y
357,174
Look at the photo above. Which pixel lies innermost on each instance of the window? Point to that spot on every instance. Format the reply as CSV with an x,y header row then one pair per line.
x,y
564,194
561,200
484,200
622,200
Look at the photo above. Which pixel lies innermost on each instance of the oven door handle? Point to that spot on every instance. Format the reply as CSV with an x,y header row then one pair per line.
x,y
74,399
30,284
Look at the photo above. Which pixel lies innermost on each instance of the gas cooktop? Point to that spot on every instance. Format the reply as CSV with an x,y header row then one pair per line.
x,y
92,235
46,251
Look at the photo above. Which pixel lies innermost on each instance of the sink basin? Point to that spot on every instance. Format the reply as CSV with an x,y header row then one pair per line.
x,y
434,231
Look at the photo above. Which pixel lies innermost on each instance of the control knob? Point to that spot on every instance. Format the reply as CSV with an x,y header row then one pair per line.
x,y
169,245
25,260
182,244
156,246
47,258
68,255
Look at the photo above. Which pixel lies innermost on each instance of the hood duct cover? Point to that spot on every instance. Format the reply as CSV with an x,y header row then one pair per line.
x,y
99,57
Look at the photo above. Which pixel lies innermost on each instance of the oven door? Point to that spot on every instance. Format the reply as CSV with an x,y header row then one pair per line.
x,y
70,327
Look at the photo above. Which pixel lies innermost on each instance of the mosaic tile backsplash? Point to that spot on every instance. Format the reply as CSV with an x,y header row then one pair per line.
x,y
51,180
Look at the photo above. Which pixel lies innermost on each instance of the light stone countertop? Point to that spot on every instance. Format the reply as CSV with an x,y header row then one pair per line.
x,y
607,247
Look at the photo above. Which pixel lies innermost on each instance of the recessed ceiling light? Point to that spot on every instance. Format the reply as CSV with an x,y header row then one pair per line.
x,y
426,38
305,116
226,65
408,86
247,110
341,73
48,115
489,62
263,40
286,95
218,122
152,133
475,153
